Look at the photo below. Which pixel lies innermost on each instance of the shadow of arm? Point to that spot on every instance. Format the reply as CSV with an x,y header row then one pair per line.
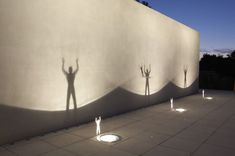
x,y
77,67
63,70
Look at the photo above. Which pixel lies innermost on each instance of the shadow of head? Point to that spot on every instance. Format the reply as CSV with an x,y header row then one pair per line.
x,y
70,69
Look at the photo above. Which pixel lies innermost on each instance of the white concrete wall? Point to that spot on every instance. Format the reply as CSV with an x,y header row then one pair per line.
x,y
111,38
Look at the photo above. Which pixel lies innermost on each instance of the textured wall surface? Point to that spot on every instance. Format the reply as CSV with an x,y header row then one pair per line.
x,y
111,38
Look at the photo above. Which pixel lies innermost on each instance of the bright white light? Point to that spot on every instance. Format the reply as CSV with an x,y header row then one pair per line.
x,y
98,121
172,103
208,98
109,138
203,93
181,110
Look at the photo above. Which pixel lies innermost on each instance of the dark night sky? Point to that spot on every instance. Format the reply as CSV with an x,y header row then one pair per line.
x,y
214,19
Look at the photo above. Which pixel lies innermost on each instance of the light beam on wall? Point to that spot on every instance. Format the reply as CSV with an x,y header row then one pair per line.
x,y
115,36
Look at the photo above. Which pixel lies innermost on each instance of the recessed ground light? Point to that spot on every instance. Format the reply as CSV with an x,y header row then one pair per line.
x,y
108,138
208,98
181,110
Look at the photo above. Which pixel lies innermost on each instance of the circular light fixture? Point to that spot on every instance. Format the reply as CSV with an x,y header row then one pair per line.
x,y
181,110
108,138
209,98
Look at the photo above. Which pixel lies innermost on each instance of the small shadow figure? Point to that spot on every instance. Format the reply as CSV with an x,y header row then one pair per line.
x,y
146,74
185,76
70,76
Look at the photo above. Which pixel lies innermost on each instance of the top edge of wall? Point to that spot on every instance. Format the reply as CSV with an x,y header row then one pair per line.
x,y
166,16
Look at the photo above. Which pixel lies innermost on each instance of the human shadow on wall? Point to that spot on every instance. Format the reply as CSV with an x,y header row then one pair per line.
x,y
146,74
185,76
70,76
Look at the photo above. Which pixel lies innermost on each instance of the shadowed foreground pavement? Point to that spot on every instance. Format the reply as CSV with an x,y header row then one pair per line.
x,y
207,128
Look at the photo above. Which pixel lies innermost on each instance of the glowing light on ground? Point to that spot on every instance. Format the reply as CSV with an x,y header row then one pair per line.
x,y
181,110
109,138
209,98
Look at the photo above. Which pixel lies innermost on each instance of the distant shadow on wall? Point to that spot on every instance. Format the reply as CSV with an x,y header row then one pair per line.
x,y
18,123
185,76
146,74
70,76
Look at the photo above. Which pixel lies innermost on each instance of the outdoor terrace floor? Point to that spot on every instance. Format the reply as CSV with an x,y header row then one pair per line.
x,y
207,128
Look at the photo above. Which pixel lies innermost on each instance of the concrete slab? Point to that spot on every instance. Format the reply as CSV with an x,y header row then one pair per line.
x,y
163,151
2,149
206,129
209,150
222,139
63,140
59,152
182,144
152,138
135,146
31,149
113,152
193,135
7,153
85,148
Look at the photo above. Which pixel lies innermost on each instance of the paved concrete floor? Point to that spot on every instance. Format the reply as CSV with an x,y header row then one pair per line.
x,y
207,128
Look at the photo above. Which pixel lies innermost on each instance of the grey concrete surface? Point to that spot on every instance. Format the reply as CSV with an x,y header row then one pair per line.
x,y
206,128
